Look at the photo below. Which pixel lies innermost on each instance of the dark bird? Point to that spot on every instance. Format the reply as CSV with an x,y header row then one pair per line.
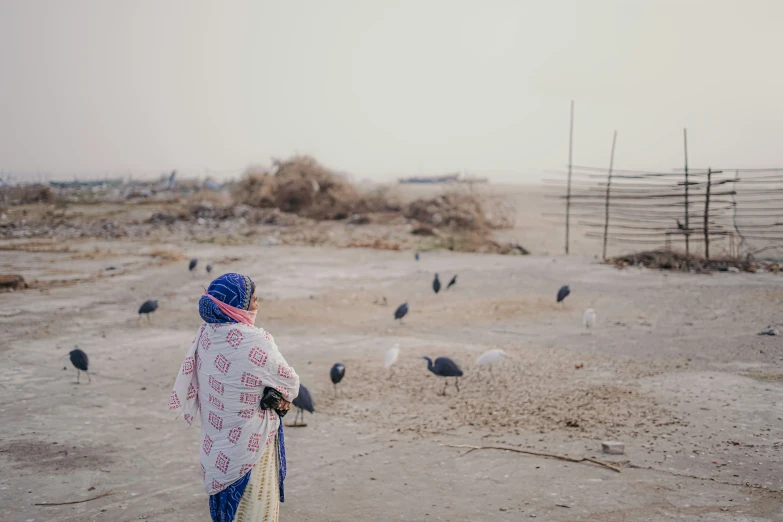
x,y
303,402
452,282
680,225
79,359
444,367
401,312
436,284
563,293
209,269
147,308
336,374
416,256
193,263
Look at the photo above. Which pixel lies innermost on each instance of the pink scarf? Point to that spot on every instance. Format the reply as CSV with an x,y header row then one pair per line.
x,y
247,317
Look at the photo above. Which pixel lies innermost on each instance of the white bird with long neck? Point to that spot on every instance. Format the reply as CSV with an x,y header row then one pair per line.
x,y
589,318
491,357
391,356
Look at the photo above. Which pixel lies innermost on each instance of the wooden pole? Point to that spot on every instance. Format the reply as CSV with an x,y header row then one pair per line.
x,y
570,163
687,228
608,186
734,217
707,217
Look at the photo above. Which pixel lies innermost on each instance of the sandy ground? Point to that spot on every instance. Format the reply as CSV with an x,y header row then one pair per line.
x,y
674,369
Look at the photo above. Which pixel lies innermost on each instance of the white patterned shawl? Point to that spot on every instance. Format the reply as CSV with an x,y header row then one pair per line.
x,y
224,375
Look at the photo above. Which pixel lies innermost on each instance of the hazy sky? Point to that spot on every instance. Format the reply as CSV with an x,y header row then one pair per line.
x,y
383,88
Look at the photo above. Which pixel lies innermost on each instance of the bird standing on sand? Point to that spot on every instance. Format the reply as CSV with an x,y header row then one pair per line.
x,y
491,358
452,282
401,312
80,361
436,284
444,367
589,318
302,402
193,263
563,293
391,357
209,269
147,308
336,374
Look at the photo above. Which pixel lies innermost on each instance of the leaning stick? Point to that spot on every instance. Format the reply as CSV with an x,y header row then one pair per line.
x,y
75,501
550,455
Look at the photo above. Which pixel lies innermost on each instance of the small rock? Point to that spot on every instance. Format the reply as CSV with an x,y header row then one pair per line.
x,y
613,447
734,270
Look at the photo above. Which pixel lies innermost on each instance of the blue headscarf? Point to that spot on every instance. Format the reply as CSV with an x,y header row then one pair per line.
x,y
233,289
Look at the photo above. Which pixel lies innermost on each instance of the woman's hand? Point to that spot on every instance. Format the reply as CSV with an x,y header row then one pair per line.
x,y
284,405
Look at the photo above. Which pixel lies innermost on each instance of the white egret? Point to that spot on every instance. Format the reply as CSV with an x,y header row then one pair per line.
x,y
391,356
589,318
491,357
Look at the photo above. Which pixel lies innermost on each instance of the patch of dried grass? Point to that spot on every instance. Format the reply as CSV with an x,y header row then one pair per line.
x,y
165,254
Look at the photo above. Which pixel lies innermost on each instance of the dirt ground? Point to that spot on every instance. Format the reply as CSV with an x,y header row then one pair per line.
x,y
674,369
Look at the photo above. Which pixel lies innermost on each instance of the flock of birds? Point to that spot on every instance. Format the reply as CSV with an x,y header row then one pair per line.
x,y
441,366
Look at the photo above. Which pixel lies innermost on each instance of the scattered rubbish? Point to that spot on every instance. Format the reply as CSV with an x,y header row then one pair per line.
x,y
613,447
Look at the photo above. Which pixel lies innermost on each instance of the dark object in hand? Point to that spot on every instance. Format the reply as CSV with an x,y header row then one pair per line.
x,y
271,401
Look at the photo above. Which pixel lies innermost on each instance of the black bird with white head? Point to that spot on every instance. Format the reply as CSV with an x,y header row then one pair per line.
x,y
303,402
444,367
452,282
193,263
80,361
436,284
563,293
336,374
146,309
401,312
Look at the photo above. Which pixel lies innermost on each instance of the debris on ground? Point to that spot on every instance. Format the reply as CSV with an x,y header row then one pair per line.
x,y
678,261
11,282
297,202
769,331
612,447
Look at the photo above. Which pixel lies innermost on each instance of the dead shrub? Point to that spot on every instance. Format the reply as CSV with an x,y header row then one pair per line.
x,y
27,194
453,211
303,187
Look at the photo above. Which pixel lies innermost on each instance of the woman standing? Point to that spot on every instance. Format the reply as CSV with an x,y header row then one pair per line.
x,y
228,367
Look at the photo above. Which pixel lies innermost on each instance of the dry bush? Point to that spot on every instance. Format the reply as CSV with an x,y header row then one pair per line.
x,y
303,187
454,211
27,194
11,282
